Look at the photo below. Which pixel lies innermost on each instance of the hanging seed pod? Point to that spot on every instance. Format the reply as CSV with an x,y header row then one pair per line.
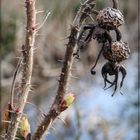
x,y
110,16
119,51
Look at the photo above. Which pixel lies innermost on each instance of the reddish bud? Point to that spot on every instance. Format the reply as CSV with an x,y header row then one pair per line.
x,y
33,28
67,101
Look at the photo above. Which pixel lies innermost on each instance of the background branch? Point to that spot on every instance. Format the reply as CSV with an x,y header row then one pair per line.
x,y
27,64
84,11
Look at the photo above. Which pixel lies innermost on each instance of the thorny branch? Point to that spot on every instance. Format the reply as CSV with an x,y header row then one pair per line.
x,y
84,11
27,64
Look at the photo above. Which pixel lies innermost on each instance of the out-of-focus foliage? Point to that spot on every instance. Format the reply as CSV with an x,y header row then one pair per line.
x,y
8,36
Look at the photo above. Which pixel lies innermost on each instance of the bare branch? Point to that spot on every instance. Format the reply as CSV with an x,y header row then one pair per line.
x,y
55,110
27,64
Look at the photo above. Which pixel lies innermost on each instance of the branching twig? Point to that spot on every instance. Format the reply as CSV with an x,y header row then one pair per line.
x,y
27,64
84,11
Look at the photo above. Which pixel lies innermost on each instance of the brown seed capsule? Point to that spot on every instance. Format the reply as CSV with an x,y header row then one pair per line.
x,y
110,16
119,51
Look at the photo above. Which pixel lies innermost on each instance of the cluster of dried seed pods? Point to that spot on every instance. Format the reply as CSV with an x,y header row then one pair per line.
x,y
115,51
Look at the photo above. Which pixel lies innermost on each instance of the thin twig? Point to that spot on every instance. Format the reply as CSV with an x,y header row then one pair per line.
x,y
40,11
13,82
43,22
39,109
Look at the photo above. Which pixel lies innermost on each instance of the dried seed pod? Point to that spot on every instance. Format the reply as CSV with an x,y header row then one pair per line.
x,y
119,51
110,17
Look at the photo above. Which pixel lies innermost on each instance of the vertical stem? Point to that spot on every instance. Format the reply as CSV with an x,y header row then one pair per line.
x,y
27,64
115,4
81,15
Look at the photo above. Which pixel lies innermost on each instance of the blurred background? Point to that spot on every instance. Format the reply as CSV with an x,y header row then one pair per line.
x,y
95,115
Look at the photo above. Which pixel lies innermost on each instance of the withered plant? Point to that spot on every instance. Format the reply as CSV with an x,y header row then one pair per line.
x,y
63,99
